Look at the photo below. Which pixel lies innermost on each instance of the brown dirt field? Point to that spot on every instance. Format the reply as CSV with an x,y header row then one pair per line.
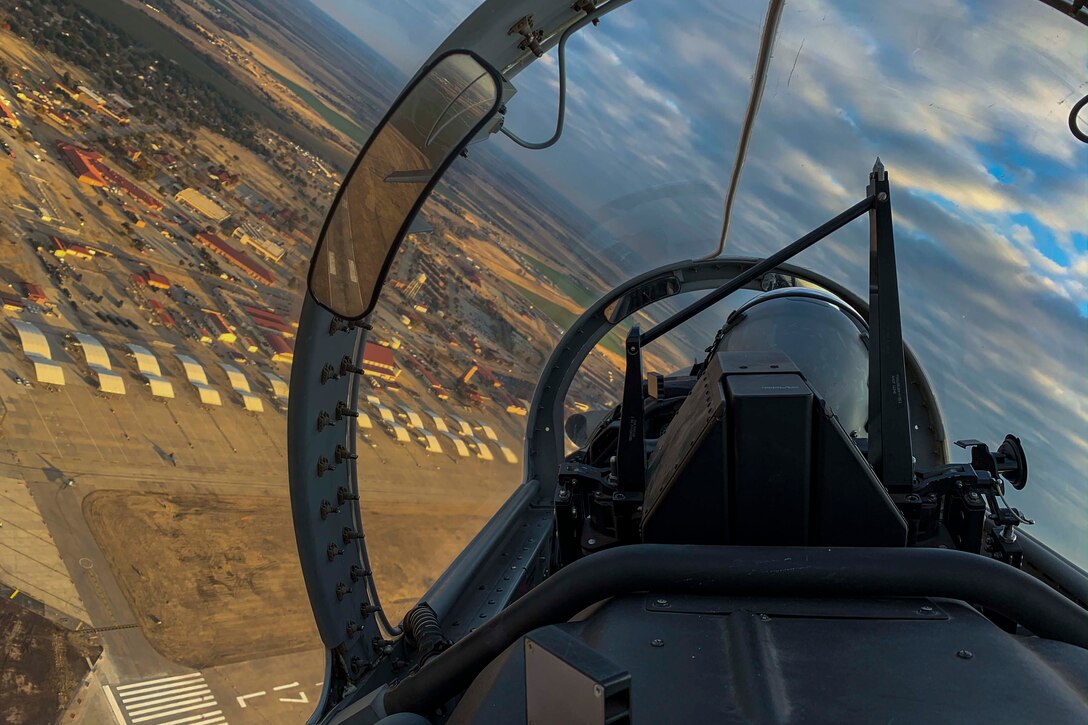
x,y
221,573
41,665
409,548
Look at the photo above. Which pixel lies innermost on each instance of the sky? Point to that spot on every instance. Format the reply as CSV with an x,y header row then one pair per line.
x,y
965,102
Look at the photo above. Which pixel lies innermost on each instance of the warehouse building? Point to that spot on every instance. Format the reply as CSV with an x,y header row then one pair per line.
x,y
281,349
36,349
197,376
240,384
277,387
148,365
379,362
98,360
195,201
251,237
269,320
239,259
220,328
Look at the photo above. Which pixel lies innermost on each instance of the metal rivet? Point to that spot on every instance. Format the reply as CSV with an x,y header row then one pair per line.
x,y
592,542
598,690
926,608
657,643
965,654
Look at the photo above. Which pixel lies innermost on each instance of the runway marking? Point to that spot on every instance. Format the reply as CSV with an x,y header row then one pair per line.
x,y
158,701
206,719
284,687
301,698
145,683
113,704
242,698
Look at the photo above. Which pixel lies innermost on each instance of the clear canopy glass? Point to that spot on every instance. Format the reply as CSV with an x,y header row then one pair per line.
x,y
965,103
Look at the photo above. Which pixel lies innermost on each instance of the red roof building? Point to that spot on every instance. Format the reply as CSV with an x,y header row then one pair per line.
x,y
11,302
281,349
156,280
239,259
80,162
268,320
89,168
34,292
223,331
165,317
379,362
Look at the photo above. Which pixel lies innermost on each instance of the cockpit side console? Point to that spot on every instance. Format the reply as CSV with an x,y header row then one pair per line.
x,y
755,457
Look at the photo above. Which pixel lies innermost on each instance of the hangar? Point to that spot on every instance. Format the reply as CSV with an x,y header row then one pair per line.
x,y
240,384
148,365
98,360
199,378
36,349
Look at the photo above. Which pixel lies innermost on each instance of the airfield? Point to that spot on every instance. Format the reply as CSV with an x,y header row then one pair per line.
x,y
157,526
188,567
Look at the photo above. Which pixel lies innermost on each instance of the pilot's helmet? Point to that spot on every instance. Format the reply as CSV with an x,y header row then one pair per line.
x,y
824,337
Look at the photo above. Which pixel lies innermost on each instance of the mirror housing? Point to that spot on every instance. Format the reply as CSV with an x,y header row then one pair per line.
x,y
441,111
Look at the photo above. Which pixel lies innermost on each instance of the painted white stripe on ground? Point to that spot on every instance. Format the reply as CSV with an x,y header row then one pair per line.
x,y
242,698
195,718
141,698
285,687
189,676
187,701
180,710
171,697
160,689
113,704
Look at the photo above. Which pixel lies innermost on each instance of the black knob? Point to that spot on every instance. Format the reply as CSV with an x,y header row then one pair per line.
x,y
348,366
344,411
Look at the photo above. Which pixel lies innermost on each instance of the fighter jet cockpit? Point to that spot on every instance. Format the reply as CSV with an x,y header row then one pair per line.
x,y
746,437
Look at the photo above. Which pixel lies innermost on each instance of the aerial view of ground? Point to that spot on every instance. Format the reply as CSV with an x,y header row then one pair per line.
x,y
198,569
41,665
166,168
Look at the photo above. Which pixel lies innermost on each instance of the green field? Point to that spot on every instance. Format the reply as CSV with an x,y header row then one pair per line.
x,y
566,284
333,118
613,341
558,314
